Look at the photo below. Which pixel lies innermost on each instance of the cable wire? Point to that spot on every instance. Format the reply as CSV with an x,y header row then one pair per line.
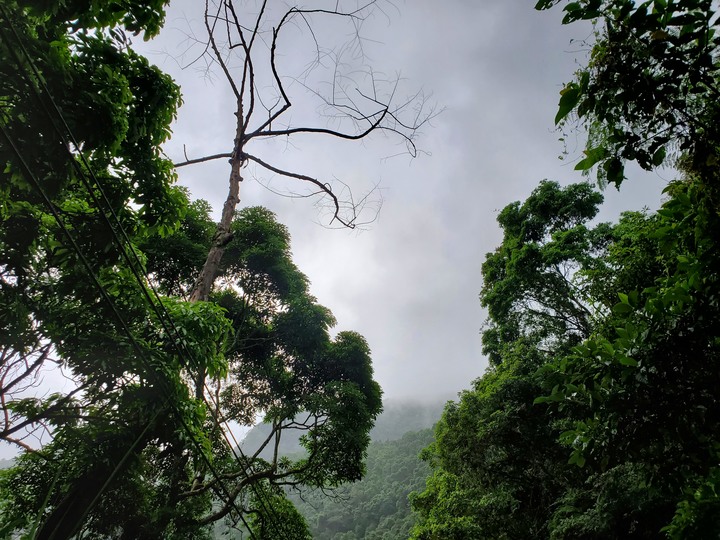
x,y
141,354
163,316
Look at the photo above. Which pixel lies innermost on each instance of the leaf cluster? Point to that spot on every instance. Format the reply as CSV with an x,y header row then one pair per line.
x,y
650,89
604,433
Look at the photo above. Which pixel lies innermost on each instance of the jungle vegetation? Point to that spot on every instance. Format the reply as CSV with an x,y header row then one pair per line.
x,y
598,416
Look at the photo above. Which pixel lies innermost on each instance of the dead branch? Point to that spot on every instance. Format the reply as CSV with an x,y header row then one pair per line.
x,y
201,160
368,109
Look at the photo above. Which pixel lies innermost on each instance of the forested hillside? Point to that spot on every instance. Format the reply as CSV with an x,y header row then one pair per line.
x,y
397,418
376,507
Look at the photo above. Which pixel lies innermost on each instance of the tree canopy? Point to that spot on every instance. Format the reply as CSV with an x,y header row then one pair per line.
x,y
649,92
597,417
99,250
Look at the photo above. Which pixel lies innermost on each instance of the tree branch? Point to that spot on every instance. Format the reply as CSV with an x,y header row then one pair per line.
x,y
227,155
218,56
325,188
338,134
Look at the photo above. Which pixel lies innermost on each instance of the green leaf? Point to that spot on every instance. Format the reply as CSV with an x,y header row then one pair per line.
x,y
572,6
659,156
622,309
593,155
544,4
614,171
569,98
577,459
627,361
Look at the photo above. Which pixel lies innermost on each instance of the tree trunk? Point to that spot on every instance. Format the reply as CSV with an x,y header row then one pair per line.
x,y
203,285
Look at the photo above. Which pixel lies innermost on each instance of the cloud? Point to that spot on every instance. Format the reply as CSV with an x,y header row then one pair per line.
x,y
410,282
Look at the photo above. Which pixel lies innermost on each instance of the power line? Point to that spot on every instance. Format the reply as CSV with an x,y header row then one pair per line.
x,y
161,316
36,185
29,174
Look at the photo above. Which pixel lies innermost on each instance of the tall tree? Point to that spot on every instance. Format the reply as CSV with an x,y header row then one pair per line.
x,y
138,449
498,466
247,52
570,435
650,92
82,118
529,283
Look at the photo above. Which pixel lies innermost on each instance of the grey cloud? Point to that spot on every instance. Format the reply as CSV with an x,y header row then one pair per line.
x,y
410,282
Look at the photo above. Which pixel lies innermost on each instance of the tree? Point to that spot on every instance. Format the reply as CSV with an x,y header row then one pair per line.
x,y
361,109
82,118
650,91
606,434
645,378
264,105
117,107
497,469
98,250
291,519
625,359
498,466
282,362
529,285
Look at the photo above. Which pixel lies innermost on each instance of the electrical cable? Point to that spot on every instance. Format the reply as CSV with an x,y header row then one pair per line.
x,y
36,185
163,317
28,173
269,511
246,465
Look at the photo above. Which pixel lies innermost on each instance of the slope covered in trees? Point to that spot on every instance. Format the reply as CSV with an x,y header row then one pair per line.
x,y
378,506
396,419
598,416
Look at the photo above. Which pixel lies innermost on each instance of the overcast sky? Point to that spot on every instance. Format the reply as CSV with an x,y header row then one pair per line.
x,y
409,282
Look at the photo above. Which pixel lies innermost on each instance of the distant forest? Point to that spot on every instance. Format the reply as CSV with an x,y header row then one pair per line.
x,y
378,506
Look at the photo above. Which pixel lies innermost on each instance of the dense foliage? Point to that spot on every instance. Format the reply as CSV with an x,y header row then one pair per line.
x,y
598,416
98,250
649,93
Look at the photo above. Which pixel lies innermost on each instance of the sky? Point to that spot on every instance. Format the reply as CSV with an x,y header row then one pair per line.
x,y
408,281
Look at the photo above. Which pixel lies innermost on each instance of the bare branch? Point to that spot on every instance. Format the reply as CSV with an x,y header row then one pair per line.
x,y
325,188
218,57
324,131
226,155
